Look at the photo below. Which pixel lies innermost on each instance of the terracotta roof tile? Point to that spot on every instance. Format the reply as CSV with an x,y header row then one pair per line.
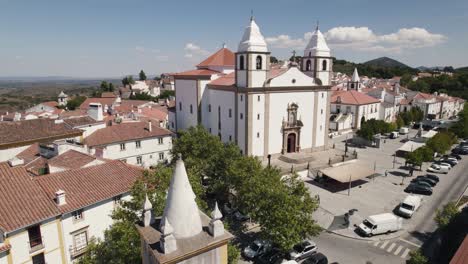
x,y
126,106
223,57
155,112
198,72
103,101
352,98
125,132
71,159
4,247
23,202
108,95
87,186
80,121
226,80
30,153
51,103
27,132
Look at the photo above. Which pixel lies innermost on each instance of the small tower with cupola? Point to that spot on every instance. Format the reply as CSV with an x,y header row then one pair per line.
x,y
317,60
252,58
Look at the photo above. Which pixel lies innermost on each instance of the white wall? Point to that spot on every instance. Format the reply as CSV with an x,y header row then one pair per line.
x,y
19,241
40,108
224,100
6,154
258,131
186,94
278,111
149,151
241,128
96,219
89,129
321,130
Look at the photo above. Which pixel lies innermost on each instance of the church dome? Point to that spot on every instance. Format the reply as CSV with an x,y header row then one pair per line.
x,y
252,40
317,45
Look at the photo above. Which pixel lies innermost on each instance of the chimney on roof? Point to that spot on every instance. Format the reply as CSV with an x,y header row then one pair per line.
x,y
15,161
150,127
95,111
60,197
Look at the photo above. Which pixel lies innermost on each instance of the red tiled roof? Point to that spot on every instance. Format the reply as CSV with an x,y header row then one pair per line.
x,y
424,96
223,57
71,159
51,103
23,202
155,112
405,102
80,121
87,186
73,113
27,132
461,256
226,80
108,95
103,101
198,72
30,153
275,72
36,166
125,132
352,98
126,106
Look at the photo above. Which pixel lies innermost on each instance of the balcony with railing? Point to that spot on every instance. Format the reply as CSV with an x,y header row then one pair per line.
x,y
35,244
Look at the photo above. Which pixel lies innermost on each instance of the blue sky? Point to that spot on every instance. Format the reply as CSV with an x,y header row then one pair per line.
x,y
111,38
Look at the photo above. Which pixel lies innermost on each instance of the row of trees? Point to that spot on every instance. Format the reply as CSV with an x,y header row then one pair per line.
x,y
107,86
405,118
281,206
456,85
440,143
461,126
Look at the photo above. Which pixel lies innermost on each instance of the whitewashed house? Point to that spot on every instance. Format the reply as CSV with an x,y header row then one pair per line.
x,y
360,105
138,143
263,109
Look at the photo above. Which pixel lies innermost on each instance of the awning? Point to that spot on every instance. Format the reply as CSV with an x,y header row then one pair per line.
x,y
429,134
348,172
411,146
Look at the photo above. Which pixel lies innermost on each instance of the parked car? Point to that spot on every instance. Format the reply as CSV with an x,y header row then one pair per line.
x,y
443,164
432,177
460,151
425,179
458,157
394,135
302,250
409,205
451,162
404,130
380,224
273,256
422,183
438,169
318,258
419,189
257,248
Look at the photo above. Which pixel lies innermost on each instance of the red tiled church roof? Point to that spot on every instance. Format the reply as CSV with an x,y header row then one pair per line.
x,y
352,98
223,57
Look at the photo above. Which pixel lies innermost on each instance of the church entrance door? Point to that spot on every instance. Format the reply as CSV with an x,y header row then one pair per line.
x,y
291,142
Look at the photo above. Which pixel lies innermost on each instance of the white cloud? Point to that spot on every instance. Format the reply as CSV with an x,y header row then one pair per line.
x,y
364,39
192,50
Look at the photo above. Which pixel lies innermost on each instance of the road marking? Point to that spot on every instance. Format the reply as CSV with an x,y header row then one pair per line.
x,y
398,250
376,243
389,249
384,244
405,253
409,242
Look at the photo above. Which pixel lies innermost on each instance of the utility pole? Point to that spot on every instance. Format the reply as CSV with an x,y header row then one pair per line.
x,y
375,165
349,188
394,159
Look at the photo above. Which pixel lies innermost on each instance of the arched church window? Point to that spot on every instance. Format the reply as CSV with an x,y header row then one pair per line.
x,y
324,65
259,62
308,65
241,62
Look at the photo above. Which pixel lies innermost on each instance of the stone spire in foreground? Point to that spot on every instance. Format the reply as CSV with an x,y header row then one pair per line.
x,y
148,216
181,209
168,241
216,227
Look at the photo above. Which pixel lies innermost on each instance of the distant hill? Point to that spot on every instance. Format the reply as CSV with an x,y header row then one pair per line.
x,y
386,62
462,70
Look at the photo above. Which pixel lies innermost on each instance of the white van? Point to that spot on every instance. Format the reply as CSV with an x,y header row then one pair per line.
x,y
394,135
380,224
404,130
438,169
409,205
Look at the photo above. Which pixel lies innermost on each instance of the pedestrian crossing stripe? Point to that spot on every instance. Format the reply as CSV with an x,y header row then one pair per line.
x,y
393,247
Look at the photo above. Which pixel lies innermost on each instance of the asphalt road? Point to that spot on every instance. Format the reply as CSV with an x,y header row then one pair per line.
x,y
420,229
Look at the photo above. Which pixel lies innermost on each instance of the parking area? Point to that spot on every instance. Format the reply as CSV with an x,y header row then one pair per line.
x,y
381,194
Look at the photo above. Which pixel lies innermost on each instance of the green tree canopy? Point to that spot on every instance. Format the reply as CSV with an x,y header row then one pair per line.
x,y
142,75
444,216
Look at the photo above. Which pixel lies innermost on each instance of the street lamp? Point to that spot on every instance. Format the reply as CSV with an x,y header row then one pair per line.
x,y
349,188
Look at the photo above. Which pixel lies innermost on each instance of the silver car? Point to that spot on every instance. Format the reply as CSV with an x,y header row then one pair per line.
x,y
302,250
257,248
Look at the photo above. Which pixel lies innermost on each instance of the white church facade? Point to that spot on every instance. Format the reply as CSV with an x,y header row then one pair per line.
x,y
263,108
